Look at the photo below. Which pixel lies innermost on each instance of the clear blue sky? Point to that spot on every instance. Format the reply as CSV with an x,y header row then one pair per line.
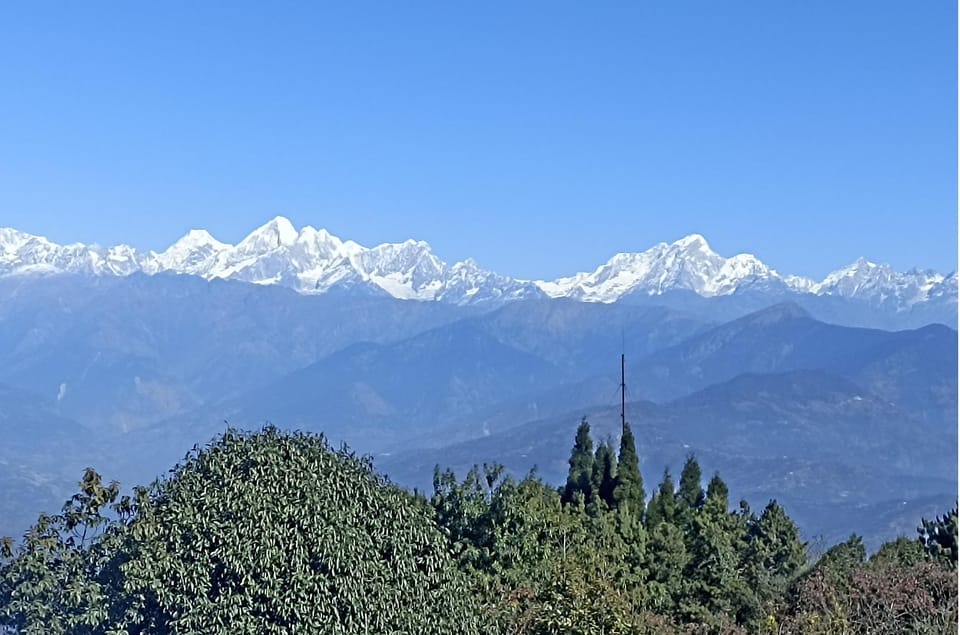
x,y
537,137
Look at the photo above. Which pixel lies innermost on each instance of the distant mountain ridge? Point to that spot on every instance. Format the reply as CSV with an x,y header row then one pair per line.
x,y
314,261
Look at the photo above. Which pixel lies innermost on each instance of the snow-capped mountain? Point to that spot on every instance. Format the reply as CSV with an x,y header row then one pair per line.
x,y
308,260
315,261
690,264
881,284
687,264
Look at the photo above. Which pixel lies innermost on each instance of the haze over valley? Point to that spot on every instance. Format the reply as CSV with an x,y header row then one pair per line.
x,y
837,396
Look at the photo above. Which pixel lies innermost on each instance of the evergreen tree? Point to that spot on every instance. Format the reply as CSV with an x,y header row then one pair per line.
x,y
668,559
716,586
718,495
663,506
604,475
628,492
581,466
690,494
775,553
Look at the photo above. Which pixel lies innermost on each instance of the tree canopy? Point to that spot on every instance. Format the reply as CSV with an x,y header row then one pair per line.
x,y
261,533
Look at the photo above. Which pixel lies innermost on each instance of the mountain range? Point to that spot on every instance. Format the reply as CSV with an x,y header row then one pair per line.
x,y
314,261
839,397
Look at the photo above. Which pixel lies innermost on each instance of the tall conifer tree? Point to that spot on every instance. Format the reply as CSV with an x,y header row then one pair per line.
x,y
604,474
628,492
581,466
663,505
690,495
718,495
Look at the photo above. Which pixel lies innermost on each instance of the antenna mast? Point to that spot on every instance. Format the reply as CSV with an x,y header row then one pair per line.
x,y
623,393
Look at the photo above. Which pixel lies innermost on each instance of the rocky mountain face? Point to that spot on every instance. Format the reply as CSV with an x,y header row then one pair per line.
x,y
314,261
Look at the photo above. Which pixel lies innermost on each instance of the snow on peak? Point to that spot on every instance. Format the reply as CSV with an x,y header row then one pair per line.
x,y
880,283
193,254
313,261
694,241
688,263
196,238
276,233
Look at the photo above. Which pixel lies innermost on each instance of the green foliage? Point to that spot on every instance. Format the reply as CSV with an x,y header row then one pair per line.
x,y
901,552
604,475
579,486
508,537
690,493
775,553
257,533
774,556
939,537
628,493
271,532
668,561
59,579
715,584
663,504
717,500
579,602
842,558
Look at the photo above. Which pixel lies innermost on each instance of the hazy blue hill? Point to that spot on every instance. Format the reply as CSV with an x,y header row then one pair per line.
x,y
585,337
826,308
42,456
453,379
373,396
130,351
915,369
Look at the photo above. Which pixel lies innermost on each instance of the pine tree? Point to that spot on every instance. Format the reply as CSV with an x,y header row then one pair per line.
x,y
628,492
775,552
690,495
604,475
718,495
716,542
581,466
668,558
663,506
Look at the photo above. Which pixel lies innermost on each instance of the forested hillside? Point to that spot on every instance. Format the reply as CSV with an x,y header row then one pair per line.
x,y
274,532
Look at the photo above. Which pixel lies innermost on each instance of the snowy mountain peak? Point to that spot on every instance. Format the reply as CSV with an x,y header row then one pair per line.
x,y
881,284
201,237
319,242
11,240
196,239
693,241
276,233
193,253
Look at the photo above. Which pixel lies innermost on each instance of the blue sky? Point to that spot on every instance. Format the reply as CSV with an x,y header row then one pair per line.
x,y
537,137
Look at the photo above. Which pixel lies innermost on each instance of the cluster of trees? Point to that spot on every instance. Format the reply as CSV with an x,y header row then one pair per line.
x,y
274,532
598,556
